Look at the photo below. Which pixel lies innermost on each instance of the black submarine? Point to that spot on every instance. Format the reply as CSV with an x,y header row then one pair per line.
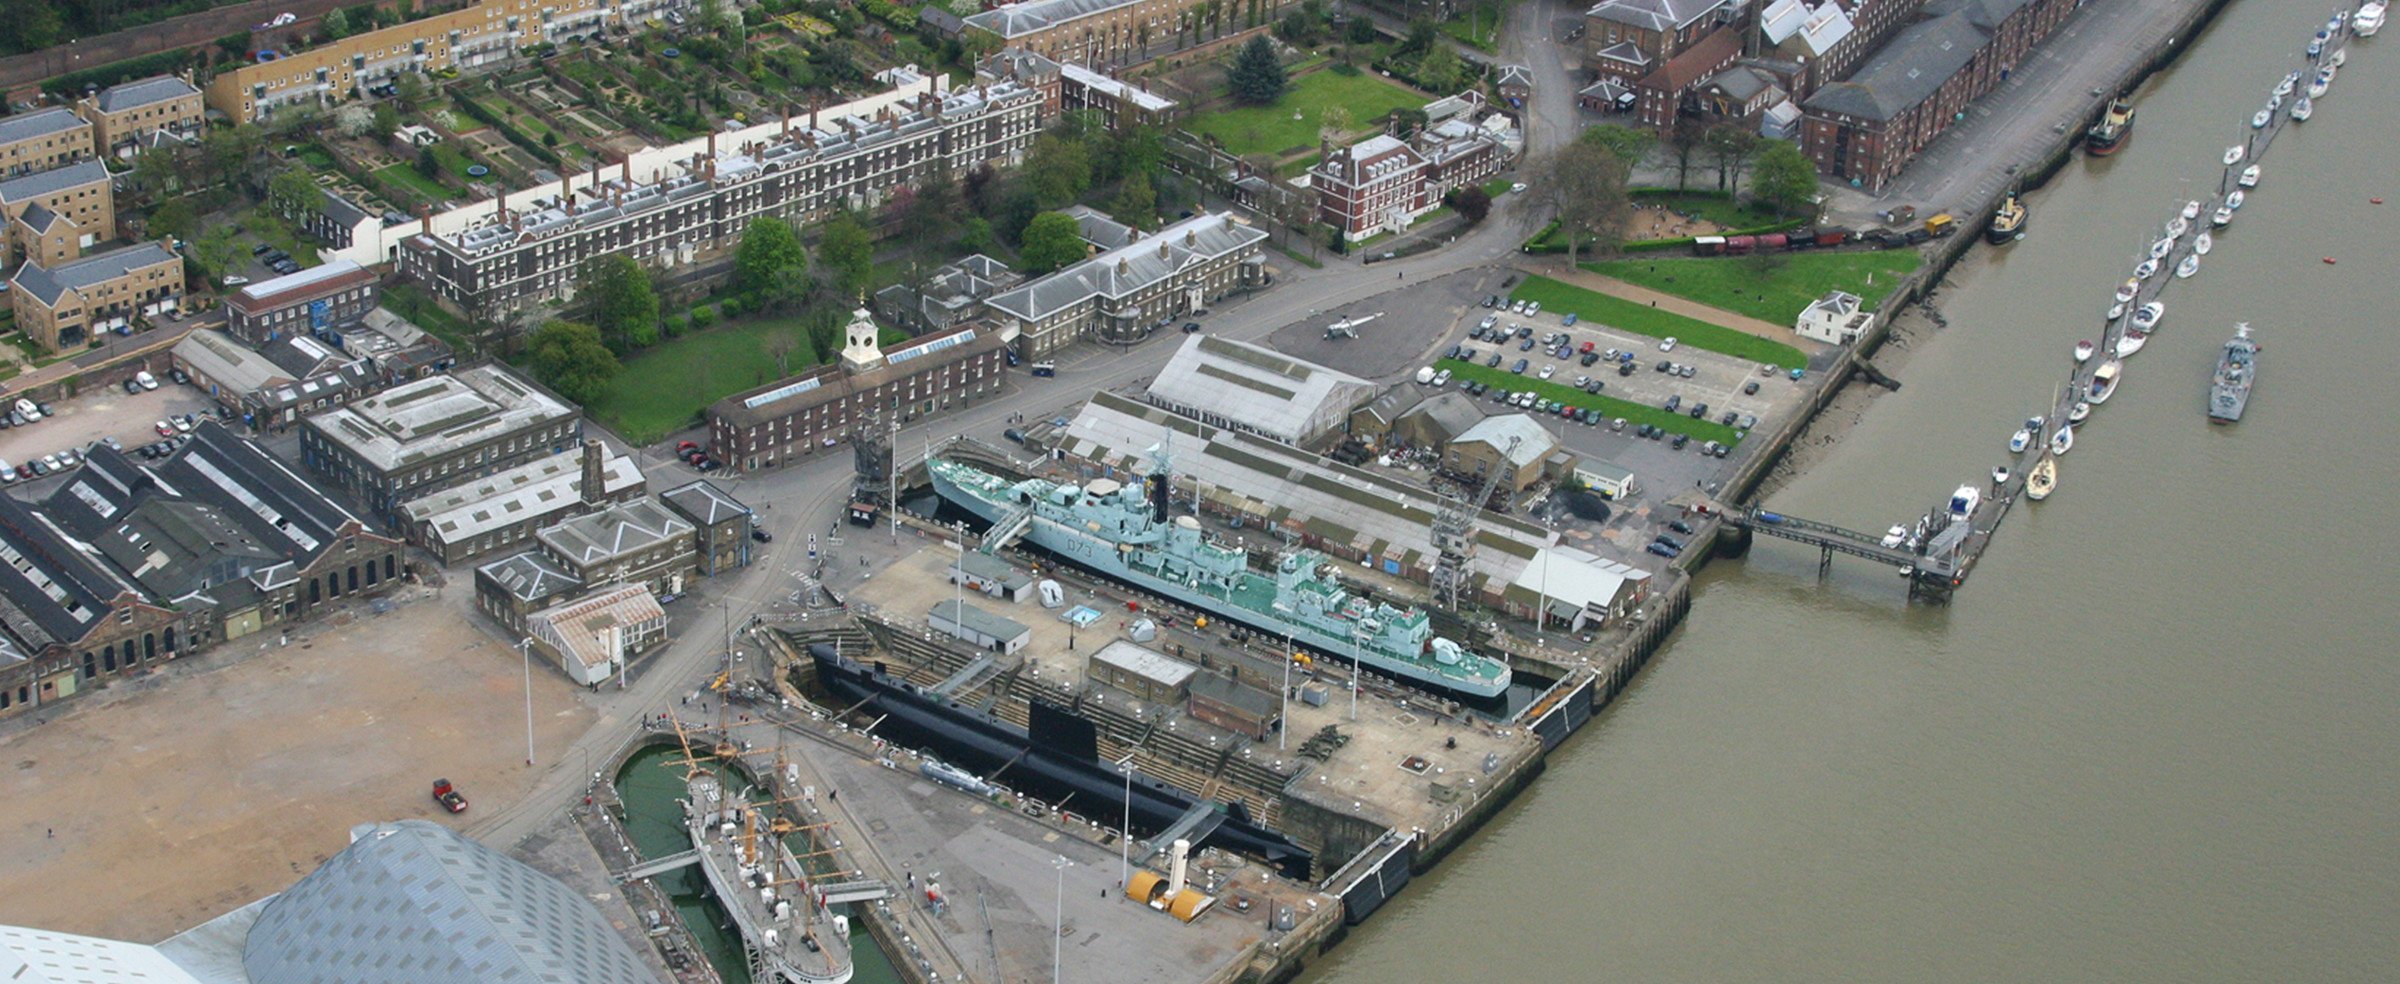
x,y
1056,759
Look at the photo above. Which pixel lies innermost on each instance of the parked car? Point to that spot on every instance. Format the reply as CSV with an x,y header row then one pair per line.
x,y
1441,378
1191,327
1625,369
1686,370
1671,542
1570,320
1494,361
1519,368
1674,402
28,410
761,536
1667,344
1663,550
148,381
163,428
1681,440
1524,331
262,249
1533,307
1617,425
1750,387
234,280
1591,358
1663,365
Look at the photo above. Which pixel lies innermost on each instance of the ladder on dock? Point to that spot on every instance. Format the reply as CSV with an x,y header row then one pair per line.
x,y
861,890
660,866
966,674
1005,532
1194,825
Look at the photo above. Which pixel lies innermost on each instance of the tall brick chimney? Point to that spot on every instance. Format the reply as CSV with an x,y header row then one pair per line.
x,y
595,472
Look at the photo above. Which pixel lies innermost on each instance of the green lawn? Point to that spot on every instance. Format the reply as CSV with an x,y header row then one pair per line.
x,y
1736,283
1634,413
1497,187
1479,30
407,176
1560,298
1272,130
664,388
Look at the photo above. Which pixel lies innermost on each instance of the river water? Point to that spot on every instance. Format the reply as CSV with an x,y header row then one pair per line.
x,y
2155,736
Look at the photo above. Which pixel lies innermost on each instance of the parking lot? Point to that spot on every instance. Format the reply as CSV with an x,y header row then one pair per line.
x,y
100,411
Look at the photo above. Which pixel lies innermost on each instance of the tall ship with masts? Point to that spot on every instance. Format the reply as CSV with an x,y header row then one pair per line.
x,y
1125,533
788,934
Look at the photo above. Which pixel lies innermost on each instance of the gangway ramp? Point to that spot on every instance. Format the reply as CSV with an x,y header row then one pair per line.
x,y
1194,825
965,675
1005,532
660,866
862,890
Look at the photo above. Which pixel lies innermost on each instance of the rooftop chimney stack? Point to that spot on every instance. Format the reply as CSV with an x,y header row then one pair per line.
x,y
595,472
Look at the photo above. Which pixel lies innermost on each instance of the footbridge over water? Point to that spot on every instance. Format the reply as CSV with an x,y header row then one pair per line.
x,y
1935,560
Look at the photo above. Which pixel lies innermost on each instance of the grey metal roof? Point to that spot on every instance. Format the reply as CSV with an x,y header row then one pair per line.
x,y
143,92
52,589
1534,441
1448,415
1128,270
1986,14
411,901
1740,82
26,187
34,956
617,530
1145,663
977,620
537,489
1256,389
529,576
1906,72
27,126
38,218
1654,15
703,502
1021,19
341,210
427,417
51,283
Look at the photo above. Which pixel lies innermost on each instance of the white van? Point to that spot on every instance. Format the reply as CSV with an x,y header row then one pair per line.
x,y
1425,375
146,380
30,412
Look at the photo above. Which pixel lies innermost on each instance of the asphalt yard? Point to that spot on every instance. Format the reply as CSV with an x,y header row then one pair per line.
x,y
168,800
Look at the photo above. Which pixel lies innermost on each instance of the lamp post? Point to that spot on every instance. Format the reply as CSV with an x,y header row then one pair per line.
x,y
525,647
1125,828
1058,918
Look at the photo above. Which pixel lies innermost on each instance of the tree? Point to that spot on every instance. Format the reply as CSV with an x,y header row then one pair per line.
x,y
354,120
427,164
975,235
824,326
779,345
1137,203
980,187
1470,203
336,23
176,218
928,212
1256,77
1052,240
848,255
33,27
1140,151
1441,69
1731,146
1629,144
1683,144
1058,170
1784,178
1362,30
1585,186
292,191
569,358
1334,121
623,305
792,289
383,120
410,89
769,246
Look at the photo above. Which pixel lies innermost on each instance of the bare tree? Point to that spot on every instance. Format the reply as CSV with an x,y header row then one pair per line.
x,y
780,346
1584,185
1683,140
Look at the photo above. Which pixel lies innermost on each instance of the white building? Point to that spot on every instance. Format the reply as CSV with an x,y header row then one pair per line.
x,y
1837,318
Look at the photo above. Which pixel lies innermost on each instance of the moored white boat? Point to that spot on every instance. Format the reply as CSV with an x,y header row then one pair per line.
x,y
2042,480
2131,342
2202,243
2318,86
2146,319
2339,56
2233,155
2290,82
2178,225
2019,441
2189,266
2161,248
2104,381
2063,441
2126,290
2077,413
2116,310
2084,350
2191,210
2223,218
2000,475
2303,109
2258,120
2144,271
2236,199
2250,176
2369,18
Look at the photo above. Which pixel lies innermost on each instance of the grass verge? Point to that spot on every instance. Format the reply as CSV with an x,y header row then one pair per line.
x,y
1776,293
1640,319
407,176
663,388
1634,413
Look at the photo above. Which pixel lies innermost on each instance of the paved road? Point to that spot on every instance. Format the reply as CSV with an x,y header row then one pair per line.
x,y
2058,87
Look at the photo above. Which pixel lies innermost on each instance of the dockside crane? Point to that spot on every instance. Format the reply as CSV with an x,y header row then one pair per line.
x,y
1454,534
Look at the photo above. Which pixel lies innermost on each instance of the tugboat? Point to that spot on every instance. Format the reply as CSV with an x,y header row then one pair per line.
x,y
2008,221
1125,533
2229,390
2114,128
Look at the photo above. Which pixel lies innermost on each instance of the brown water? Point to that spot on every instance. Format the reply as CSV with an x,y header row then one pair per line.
x,y
2157,735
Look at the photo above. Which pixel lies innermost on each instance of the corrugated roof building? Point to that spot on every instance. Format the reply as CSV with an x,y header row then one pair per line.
x,y
1256,390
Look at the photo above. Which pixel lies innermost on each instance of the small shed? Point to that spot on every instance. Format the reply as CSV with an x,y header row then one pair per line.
x,y
979,571
981,628
1612,481
1229,705
1144,673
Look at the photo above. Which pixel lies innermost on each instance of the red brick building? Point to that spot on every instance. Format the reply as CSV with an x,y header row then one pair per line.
x,y
1629,39
1866,129
1659,95
1383,183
